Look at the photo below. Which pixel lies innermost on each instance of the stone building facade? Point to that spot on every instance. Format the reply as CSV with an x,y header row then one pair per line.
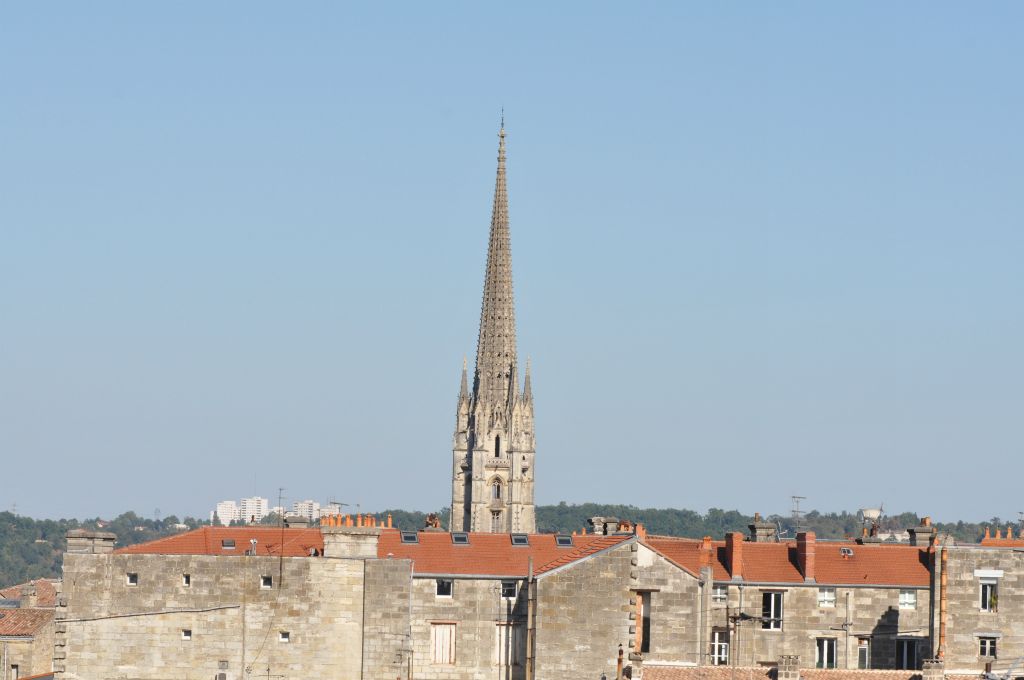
x,y
493,446
979,608
26,628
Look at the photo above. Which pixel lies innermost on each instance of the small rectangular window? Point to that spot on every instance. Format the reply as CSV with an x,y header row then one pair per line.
x,y
825,653
520,539
826,597
720,594
563,541
410,537
460,538
227,543
988,647
444,587
284,636
186,580
771,610
906,654
643,618
508,589
908,599
442,643
186,633
266,582
863,653
719,647
132,578
989,595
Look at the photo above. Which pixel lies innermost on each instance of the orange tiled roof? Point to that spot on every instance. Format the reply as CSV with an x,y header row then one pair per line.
x,y
886,565
486,554
489,554
208,541
652,672
46,592
23,622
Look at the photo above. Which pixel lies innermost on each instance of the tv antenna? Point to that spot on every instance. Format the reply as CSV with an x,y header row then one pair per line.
x,y
798,514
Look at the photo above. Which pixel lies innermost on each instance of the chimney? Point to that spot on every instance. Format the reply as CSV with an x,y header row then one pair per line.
x,y
933,669
805,541
734,554
762,531
350,542
90,542
789,667
29,595
706,552
603,526
923,533
296,521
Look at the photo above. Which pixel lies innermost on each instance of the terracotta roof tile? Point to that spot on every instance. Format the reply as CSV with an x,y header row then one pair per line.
x,y
46,592
656,672
887,565
434,553
489,554
23,622
209,541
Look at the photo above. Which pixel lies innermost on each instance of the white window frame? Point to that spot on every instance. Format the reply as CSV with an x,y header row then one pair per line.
x,y
826,647
864,644
776,610
827,597
720,593
908,598
131,578
719,648
988,595
266,582
515,589
186,634
443,635
987,647
284,636
186,580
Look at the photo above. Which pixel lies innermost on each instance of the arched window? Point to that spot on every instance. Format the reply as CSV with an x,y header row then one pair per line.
x,y
496,490
497,446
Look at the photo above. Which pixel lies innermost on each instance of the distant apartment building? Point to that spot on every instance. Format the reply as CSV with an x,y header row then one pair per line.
x,y
308,509
247,510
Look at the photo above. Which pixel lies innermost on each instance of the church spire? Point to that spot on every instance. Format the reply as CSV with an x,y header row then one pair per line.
x,y
496,344
527,388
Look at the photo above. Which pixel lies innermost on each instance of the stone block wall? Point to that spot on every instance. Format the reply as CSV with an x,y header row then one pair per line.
x,y
967,622
584,613
32,655
860,612
480,615
387,644
109,628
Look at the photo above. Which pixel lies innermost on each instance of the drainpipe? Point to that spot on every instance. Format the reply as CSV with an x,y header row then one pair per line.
x,y
943,561
531,619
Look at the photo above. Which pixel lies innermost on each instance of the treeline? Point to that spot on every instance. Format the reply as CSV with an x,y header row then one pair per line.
x,y
32,548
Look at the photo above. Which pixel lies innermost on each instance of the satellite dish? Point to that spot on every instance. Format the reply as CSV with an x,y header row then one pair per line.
x,y
871,514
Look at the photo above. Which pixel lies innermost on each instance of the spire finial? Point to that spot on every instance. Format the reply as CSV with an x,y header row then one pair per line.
x,y
503,118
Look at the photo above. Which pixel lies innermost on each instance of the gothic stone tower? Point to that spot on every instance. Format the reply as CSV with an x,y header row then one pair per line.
x,y
492,475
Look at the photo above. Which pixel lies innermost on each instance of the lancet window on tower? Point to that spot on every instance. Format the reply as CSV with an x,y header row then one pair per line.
x,y
496,490
497,446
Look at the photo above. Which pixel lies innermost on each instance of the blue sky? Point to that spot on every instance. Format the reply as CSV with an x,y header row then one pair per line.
x,y
760,250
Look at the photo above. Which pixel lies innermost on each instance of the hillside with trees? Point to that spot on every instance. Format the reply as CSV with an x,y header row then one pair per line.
x,y
31,548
